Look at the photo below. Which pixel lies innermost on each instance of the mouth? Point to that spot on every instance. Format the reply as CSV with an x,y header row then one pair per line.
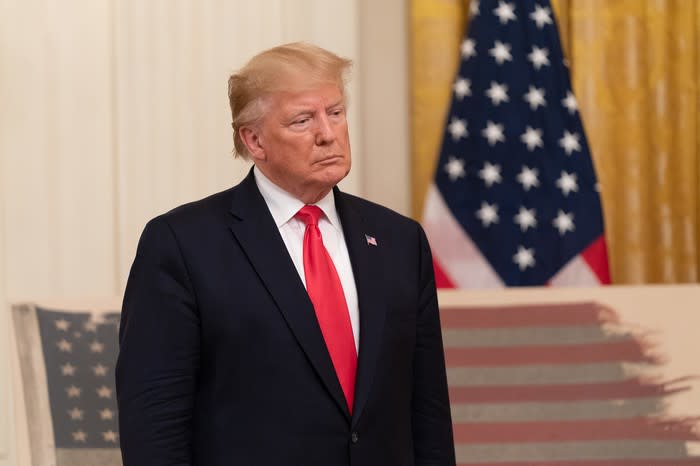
x,y
328,160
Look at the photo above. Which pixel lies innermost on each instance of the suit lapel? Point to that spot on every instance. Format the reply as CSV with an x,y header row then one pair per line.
x,y
366,266
258,236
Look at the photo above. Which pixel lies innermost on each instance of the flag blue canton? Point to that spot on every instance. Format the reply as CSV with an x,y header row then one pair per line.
x,y
80,354
515,169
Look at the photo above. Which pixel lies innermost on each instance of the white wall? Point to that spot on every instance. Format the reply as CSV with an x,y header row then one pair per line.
x,y
112,111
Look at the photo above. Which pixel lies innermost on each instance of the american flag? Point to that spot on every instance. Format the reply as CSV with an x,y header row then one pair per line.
x,y
67,362
560,385
515,201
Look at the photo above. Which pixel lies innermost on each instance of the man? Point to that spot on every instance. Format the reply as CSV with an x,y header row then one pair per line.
x,y
283,322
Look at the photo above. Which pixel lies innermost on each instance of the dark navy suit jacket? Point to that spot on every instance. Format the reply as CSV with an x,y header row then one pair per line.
x,y
222,361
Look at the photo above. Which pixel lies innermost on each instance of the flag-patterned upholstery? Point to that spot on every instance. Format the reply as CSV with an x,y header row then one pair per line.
x,y
559,385
66,360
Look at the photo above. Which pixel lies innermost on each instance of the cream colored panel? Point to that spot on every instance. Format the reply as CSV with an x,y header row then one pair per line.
x,y
385,109
56,139
172,111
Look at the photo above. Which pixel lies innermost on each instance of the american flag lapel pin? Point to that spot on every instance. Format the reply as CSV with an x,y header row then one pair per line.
x,y
371,240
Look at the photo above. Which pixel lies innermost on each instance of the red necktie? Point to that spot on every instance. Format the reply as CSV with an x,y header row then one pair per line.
x,y
326,293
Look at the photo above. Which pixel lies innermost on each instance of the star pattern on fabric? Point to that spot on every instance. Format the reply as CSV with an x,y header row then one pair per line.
x,y
76,414
505,12
570,142
532,138
79,350
567,183
524,157
65,346
539,57
564,222
474,8
524,258
498,93
535,97
490,173
457,128
488,214
501,52
528,178
455,168
525,218
68,369
541,16
493,133
468,49
462,88
570,103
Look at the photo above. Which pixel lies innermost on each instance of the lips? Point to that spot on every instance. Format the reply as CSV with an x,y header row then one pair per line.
x,y
329,159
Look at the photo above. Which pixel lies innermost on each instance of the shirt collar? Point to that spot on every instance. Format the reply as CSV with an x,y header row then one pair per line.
x,y
283,206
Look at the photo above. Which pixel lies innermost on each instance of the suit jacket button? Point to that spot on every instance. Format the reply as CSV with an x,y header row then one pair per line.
x,y
354,438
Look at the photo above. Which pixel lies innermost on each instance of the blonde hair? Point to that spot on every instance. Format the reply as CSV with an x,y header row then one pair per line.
x,y
273,70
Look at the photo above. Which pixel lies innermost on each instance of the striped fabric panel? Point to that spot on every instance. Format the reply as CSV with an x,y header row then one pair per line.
x,y
559,385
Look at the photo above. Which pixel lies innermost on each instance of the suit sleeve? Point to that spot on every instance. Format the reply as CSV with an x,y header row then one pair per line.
x,y
431,420
158,361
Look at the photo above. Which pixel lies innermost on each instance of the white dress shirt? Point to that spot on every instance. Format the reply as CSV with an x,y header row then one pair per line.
x,y
283,207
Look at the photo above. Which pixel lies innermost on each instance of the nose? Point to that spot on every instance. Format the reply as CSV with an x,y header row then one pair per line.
x,y
324,130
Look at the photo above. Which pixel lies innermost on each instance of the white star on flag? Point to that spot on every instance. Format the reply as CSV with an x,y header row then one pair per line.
x,y
535,97
567,183
538,57
570,102
570,142
106,414
96,346
493,133
541,16
564,222
79,436
501,52
490,174
65,346
109,436
468,48
75,414
525,257
73,392
505,12
457,128
488,214
532,137
497,93
100,370
455,168
90,326
525,218
474,8
528,178
462,88
68,369
62,324
104,392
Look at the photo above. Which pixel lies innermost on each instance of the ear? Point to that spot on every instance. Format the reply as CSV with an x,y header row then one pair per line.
x,y
251,138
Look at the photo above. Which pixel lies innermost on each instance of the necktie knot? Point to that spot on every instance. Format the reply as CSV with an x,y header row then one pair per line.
x,y
309,214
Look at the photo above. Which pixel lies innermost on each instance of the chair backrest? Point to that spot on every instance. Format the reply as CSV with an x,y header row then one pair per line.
x,y
66,361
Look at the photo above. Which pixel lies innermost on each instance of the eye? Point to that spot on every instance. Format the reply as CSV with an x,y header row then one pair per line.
x,y
337,112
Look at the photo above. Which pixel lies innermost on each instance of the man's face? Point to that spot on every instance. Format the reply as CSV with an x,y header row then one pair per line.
x,y
302,143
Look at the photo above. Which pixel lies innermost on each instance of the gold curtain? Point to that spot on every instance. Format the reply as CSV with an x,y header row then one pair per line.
x,y
636,73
